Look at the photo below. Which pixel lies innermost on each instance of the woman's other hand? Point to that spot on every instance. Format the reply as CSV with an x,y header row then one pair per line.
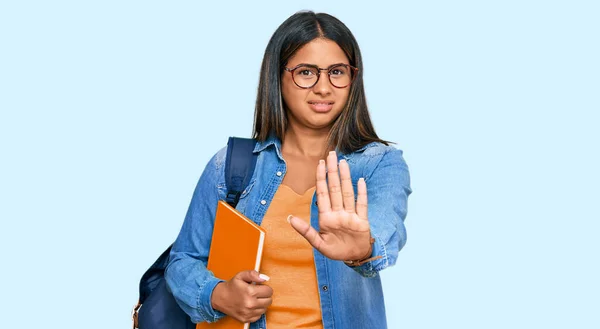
x,y
241,299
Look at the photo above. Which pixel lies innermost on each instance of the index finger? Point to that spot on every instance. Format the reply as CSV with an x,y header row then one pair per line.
x,y
333,182
322,191
262,291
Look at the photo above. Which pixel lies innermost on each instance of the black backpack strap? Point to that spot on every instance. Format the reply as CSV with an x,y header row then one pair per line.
x,y
239,167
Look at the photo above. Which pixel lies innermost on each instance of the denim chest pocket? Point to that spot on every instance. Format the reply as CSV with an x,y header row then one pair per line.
x,y
356,169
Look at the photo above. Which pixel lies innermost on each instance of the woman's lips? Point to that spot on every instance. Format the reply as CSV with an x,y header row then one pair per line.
x,y
321,106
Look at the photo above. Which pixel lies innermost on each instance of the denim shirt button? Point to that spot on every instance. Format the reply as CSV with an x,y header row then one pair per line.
x,y
325,288
263,202
279,173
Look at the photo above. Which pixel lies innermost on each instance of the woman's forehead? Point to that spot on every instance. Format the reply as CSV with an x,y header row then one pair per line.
x,y
320,52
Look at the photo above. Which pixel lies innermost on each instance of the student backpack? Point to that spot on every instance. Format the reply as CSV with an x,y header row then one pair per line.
x,y
156,307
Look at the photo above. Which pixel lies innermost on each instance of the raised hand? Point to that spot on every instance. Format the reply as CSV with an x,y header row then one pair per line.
x,y
344,227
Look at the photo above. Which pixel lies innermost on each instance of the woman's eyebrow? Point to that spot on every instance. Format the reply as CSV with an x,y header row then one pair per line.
x,y
328,67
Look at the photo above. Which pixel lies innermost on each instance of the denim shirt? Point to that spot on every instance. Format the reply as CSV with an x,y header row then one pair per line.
x,y
350,297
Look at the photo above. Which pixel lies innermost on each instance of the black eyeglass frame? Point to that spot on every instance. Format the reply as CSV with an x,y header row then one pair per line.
x,y
328,69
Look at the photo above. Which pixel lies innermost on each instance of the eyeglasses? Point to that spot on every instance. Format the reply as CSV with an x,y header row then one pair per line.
x,y
307,76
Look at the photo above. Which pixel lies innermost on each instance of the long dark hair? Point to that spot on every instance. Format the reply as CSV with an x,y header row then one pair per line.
x,y
353,128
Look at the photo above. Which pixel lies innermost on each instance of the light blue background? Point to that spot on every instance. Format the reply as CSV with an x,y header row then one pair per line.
x,y
111,109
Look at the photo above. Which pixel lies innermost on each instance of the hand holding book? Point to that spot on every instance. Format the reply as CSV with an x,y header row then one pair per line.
x,y
241,299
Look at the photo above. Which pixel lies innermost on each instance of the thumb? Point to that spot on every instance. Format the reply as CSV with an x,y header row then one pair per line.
x,y
308,232
298,224
252,276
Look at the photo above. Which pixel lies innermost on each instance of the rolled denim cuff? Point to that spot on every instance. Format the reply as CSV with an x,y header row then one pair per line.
x,y
208,313
370,269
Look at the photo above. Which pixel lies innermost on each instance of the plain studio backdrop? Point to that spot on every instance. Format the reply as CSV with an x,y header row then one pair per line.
x,y
111,109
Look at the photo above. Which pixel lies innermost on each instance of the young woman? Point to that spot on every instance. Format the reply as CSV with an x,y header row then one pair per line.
x,y
330,193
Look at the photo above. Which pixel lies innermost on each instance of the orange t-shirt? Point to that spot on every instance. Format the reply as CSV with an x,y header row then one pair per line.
x,y
288,260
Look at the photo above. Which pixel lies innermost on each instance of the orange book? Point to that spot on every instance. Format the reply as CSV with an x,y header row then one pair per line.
x,y
236,245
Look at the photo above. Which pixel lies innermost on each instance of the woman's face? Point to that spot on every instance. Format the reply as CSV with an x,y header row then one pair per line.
x,y
319,106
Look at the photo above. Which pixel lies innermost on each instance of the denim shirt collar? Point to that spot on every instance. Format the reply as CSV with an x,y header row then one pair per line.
x,y
271,140
276,142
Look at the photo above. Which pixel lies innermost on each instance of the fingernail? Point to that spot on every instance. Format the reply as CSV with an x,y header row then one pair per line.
x,y
361,179
343,160
332,153
289,218
264,277
321,161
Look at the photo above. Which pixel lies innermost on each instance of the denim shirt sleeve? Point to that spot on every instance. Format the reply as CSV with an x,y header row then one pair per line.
x,y
187,277
388,188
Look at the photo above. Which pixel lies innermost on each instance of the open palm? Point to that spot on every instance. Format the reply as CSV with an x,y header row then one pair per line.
x,y
343,223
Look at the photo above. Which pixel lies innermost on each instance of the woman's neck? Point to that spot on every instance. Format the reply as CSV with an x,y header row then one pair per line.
x,y
305,142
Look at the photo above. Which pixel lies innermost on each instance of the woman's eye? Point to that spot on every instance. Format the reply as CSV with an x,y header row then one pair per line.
x,y
305,72
337,72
